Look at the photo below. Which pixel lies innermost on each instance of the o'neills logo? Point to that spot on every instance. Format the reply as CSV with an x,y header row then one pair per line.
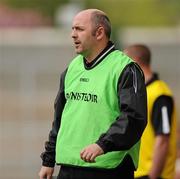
x,y
82,96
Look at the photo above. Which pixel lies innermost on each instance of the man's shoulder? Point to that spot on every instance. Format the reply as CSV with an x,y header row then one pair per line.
x,y
160,87
76,59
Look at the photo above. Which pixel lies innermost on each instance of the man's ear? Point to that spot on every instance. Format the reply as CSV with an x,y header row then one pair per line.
x,y
100,33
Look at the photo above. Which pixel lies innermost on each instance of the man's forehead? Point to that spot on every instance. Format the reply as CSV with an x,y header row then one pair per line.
x,y
84,15
81,20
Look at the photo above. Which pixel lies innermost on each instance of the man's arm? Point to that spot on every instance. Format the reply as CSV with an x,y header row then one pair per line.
x,y
129,126
48,156
159,156
161,121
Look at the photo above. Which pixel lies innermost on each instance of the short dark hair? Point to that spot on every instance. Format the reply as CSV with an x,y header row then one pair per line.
x,y
142,52
98,19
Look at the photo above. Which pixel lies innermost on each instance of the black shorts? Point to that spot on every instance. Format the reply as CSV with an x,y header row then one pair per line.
x,y
124,171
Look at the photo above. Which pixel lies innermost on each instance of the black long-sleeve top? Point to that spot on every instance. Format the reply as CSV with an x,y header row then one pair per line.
x,y
128,127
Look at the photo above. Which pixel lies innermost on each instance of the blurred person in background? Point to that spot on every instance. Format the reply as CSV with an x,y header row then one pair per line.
x,y
97,124
158,142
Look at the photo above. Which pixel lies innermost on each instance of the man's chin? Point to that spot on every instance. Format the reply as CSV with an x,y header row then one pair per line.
x,y
78,52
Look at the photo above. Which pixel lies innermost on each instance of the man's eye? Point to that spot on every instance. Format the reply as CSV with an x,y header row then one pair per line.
x,y
80,29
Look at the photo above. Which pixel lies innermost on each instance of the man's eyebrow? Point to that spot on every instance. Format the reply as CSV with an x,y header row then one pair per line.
x,y
77,26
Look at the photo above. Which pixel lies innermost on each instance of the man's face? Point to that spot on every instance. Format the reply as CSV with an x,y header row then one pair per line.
x,y
82,36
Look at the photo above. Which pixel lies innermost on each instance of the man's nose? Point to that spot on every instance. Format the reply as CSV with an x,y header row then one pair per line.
x,y
73,34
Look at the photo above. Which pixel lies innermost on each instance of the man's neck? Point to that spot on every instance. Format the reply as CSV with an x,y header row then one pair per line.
x,y
98,58
148,77
96,51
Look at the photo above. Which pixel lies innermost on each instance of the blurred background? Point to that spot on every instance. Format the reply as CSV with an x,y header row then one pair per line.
x,y
35,48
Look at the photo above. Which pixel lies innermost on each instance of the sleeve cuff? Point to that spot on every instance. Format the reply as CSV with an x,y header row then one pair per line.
x,y
48,164
104,147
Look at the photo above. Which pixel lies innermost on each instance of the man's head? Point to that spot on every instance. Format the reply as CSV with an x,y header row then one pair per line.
x,y
139,53
91,30
142,55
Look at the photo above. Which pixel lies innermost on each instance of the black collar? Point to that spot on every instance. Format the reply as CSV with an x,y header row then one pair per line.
x,y
107,50
154,78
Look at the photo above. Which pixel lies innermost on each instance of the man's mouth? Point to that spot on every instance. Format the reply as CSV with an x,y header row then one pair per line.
x,y
76,43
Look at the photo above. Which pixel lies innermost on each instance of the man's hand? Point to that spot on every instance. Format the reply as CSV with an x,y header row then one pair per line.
x,y
46,172
89,153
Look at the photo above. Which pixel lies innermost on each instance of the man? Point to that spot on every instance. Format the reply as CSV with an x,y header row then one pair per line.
x,y
158,143
97,124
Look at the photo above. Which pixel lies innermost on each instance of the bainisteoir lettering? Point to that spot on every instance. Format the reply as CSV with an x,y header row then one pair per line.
x,y
88,97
